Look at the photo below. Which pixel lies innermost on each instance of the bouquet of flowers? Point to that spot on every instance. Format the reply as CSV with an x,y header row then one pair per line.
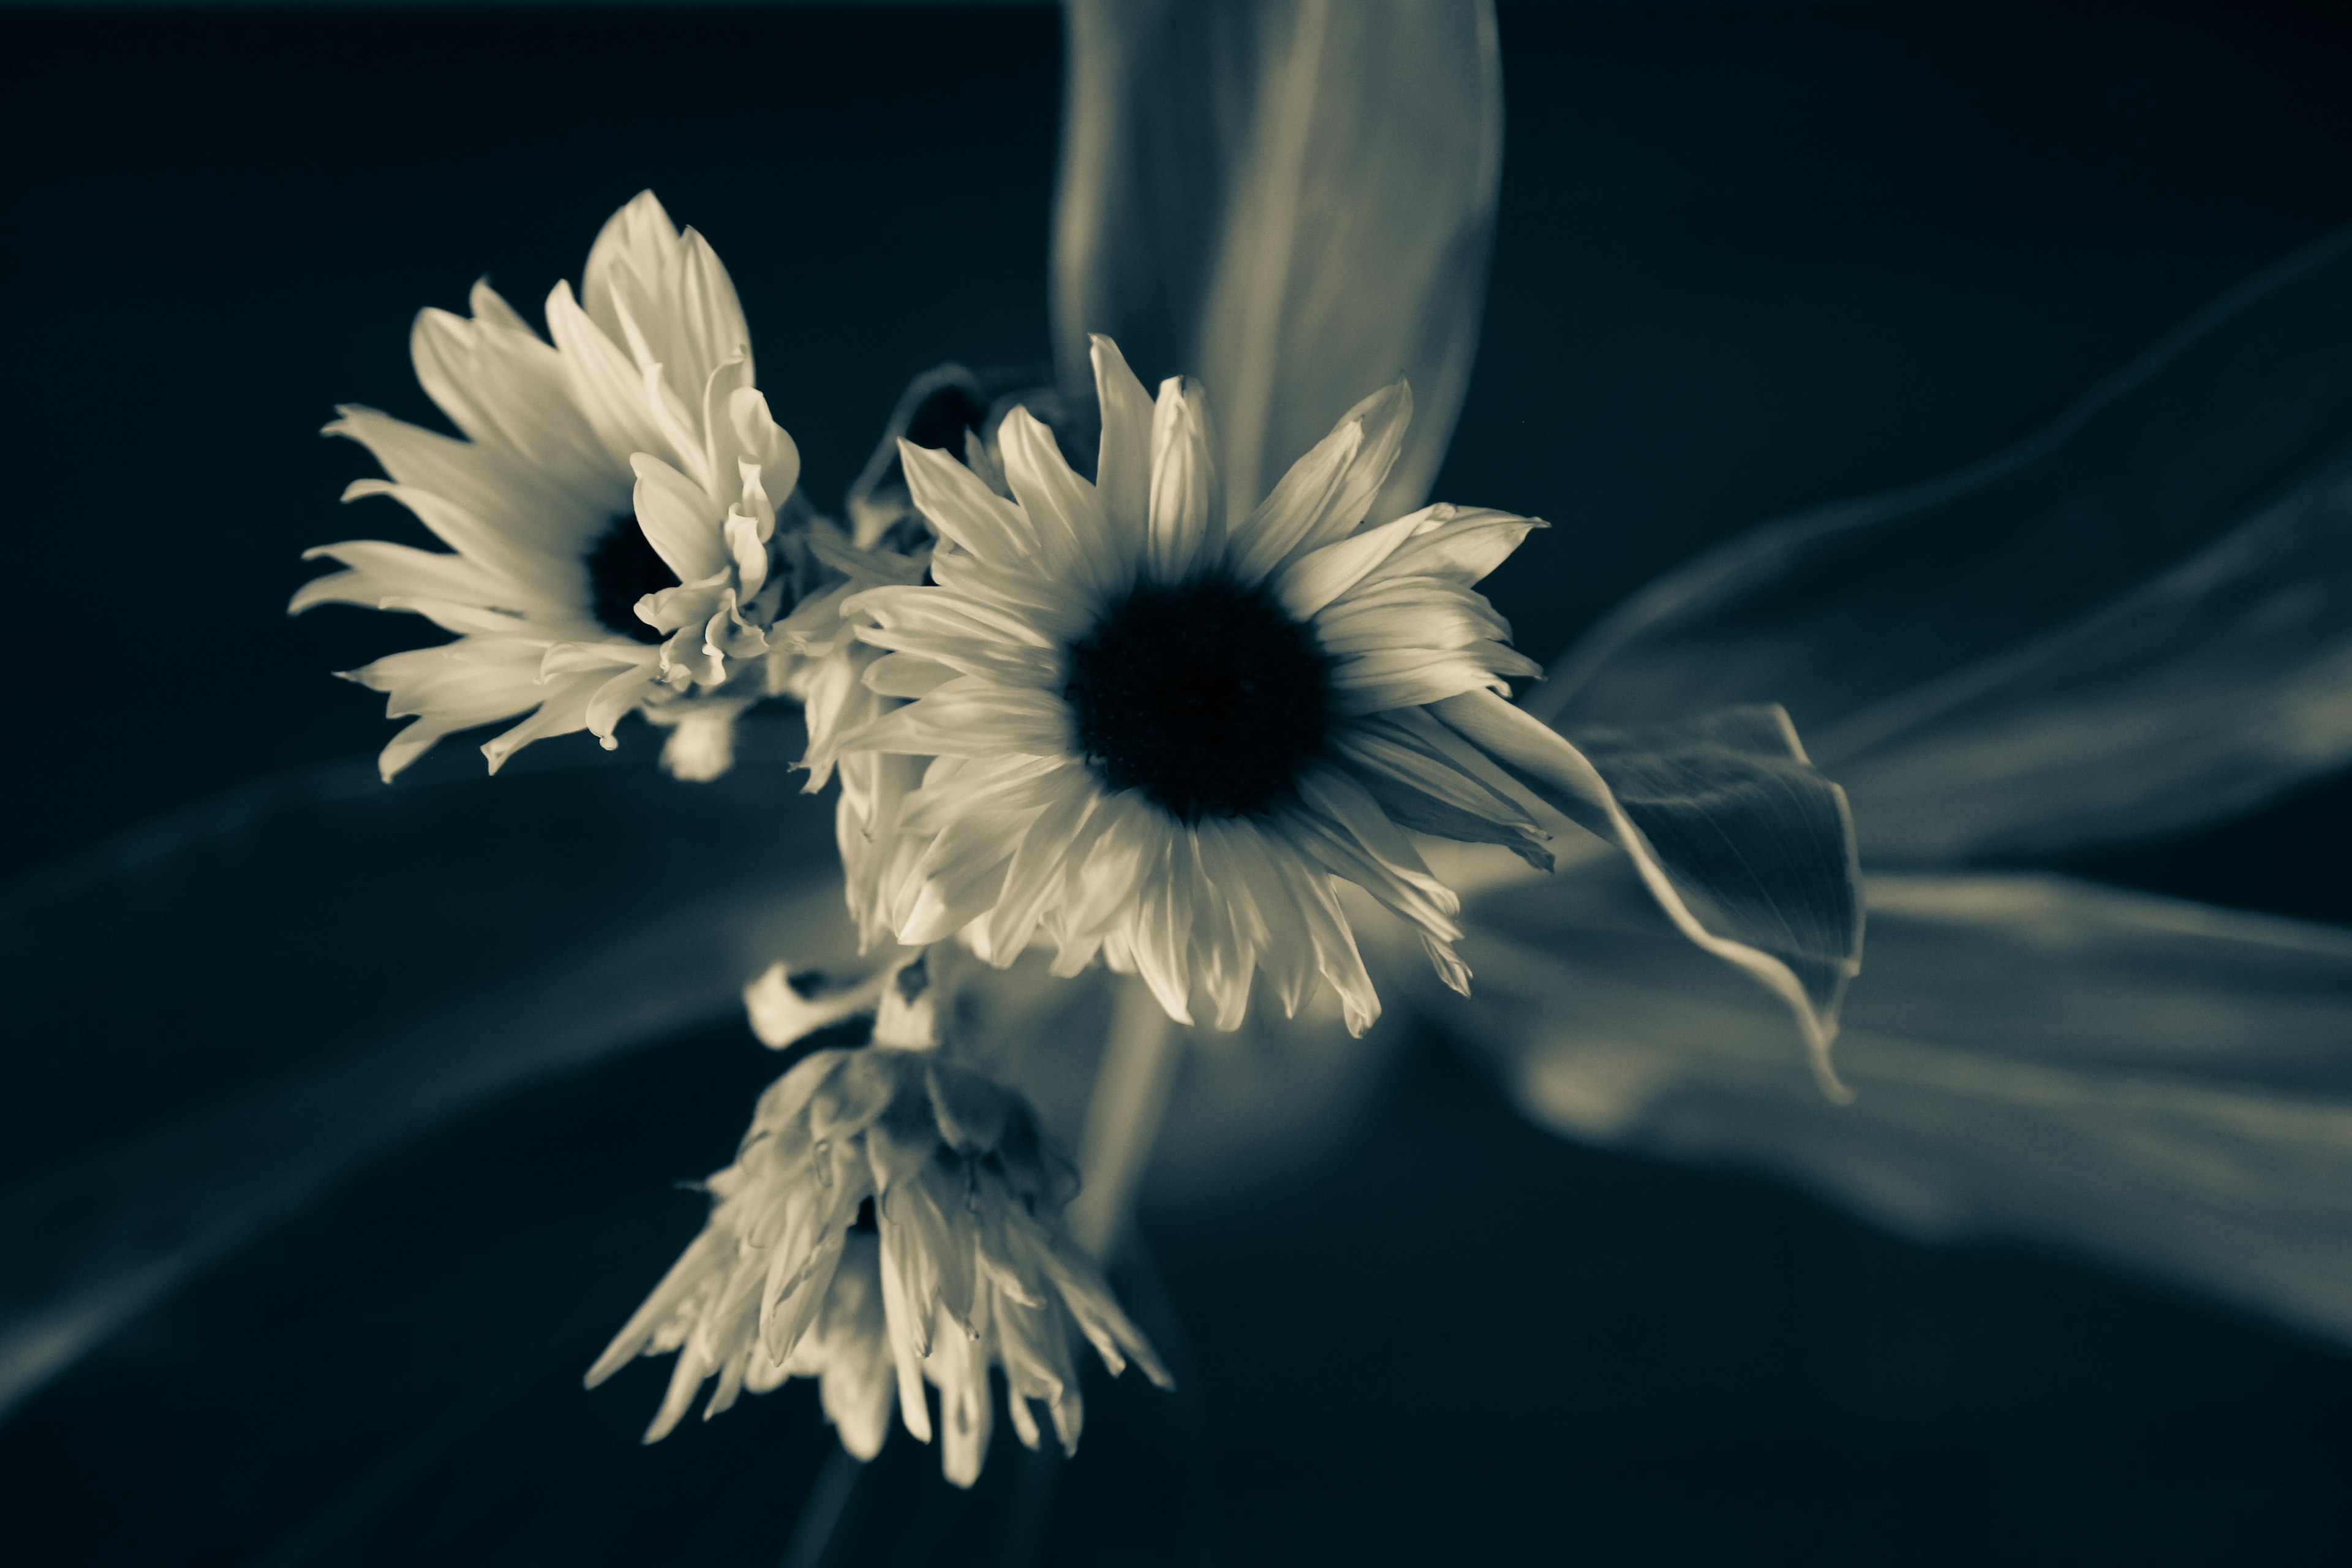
x,y
1164,723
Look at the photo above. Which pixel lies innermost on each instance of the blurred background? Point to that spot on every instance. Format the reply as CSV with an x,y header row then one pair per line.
x,y
1751,257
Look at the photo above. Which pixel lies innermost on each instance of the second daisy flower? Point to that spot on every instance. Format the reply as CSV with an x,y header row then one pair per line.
x,y
1158,736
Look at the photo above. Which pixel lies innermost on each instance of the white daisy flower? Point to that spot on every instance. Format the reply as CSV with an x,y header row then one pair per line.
x,y
890,1220
1158,736
611,515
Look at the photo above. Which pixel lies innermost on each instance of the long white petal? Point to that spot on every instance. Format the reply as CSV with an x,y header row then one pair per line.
x,y
679,519
380,571
1123,468
970,718
964,510
1328,493
1074,542
510,393
641,273
542,566
1186,521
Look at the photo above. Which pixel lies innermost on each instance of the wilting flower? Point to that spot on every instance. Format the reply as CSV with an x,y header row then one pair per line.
x,y
1159,738
610,516
890,1219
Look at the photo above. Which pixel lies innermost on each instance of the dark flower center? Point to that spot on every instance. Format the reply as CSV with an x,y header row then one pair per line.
x,y
623,568
1204,695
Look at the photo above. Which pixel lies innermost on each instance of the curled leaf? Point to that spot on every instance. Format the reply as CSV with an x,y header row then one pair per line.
x,y
1748,850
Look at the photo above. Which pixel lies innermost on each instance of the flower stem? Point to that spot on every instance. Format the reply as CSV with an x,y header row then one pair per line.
x,y
1123,1118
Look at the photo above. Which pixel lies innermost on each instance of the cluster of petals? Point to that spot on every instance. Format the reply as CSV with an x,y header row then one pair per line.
x,y
642,406
889,1221
1011,837
835,698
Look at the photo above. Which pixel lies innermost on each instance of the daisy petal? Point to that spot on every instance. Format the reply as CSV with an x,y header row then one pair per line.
x,y
1460,544
1066,516
1416,676
1351,829
1162,932
1006,786
606,383
905,677
488,480
971,718
909,614
1186,508
504,389
646,279
676,515
615,698
488,305
1313,580
1328,937
1327,492
1034,875
1230,957
520,561
1424,790
381,570
1126,840
964,510
1123,470
565,710
1421,610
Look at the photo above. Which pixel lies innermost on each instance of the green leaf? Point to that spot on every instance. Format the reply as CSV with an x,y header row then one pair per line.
x,y
1294,202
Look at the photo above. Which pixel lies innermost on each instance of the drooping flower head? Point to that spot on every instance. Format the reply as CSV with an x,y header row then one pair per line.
x,y
612,514
1159,734
890,1220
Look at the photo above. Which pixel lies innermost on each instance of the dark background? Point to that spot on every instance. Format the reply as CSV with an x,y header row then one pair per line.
x,y
1751,257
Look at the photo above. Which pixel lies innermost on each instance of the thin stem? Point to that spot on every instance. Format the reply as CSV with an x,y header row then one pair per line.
x,y
1123,1118
821,1512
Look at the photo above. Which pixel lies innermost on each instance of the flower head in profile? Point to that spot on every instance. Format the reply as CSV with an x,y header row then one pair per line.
x,y
889,1221
611,514
1157,736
